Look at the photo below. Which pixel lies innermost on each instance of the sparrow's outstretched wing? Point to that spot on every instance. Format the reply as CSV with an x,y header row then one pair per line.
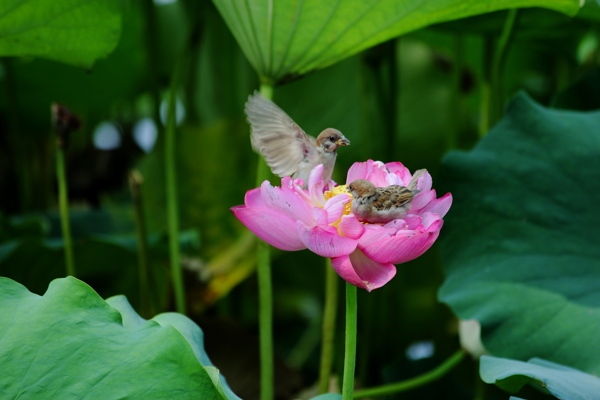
x,y
282,143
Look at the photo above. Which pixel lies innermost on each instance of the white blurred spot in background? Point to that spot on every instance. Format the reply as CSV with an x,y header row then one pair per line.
x,y
164,2
107,136
145,134
420,350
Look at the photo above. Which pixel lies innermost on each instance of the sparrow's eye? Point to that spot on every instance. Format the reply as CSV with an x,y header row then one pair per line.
x,y
332,138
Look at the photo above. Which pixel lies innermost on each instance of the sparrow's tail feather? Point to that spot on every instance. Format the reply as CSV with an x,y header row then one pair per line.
x,y
415,178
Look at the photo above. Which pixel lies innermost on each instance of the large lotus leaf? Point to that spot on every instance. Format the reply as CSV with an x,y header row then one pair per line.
x,y
71,344
328,396
563,382
188,329
520,244
72,31
294,37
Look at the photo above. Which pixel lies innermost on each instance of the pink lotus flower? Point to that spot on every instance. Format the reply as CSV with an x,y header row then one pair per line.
x,y
363,254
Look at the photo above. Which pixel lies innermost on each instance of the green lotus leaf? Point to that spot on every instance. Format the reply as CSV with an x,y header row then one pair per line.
x,y
188,329
76,32
328,396
562,382
286,38
519,247
71,344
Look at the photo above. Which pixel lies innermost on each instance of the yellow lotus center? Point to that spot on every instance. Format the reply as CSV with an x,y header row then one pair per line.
x,y
339,190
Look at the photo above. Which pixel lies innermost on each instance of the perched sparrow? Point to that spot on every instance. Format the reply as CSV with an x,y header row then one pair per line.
x,y
285,147
382,204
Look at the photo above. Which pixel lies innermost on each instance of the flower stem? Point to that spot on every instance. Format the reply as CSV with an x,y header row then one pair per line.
x,y
135,183
329,314
485,96
265,321
391,108
151,35
480,385
350,350
497,99
415,382
63,203
267,91
456,110
265,291
171,186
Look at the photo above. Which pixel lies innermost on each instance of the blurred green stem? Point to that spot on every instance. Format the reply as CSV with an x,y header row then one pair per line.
x,y
329,314
63,203
382,73
153,53
171,186
310,340
562,74
415,382
265,320
196,11
457,103
267,91
388,97
393,90
265,291
497,67
480,385
350,349
485,96
135,183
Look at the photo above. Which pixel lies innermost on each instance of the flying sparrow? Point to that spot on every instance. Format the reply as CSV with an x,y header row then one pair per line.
x,y
382,204
285,147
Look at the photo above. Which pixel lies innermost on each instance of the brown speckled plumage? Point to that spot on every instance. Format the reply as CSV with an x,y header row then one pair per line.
x,y
384,204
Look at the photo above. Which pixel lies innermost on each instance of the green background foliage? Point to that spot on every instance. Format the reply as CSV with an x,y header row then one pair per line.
x,y
518,245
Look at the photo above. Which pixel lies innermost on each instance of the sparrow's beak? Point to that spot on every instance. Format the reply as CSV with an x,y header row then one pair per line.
x,y
343,142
